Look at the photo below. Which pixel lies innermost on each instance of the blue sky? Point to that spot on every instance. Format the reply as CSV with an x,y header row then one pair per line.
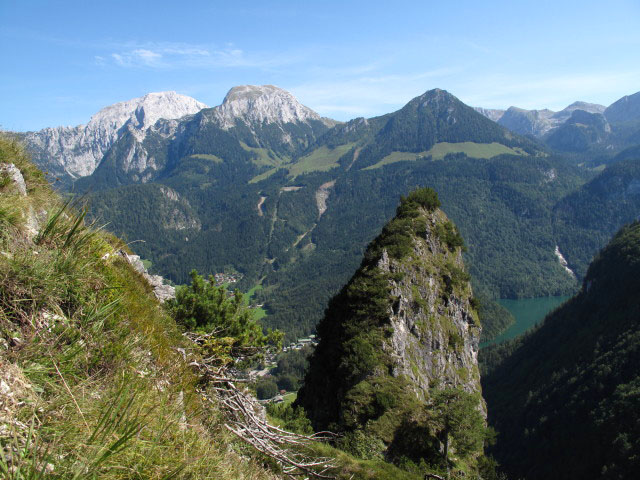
x,y
64,60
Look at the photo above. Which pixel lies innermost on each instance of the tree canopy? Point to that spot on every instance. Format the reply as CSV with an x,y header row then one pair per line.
x,y
204,307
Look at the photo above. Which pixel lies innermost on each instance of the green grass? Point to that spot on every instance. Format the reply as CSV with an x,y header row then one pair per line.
x,y
206,156
353,468
320,160
258,313
290,398
440,150
265,175
98,390
264,156
249,295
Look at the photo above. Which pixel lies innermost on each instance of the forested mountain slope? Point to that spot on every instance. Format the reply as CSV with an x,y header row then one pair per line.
x,y
566,399
282,211
586,219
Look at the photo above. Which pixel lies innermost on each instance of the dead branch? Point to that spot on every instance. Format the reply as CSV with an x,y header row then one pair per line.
x,y
246,419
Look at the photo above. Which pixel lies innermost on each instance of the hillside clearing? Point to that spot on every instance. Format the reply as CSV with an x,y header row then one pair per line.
x,y
442,149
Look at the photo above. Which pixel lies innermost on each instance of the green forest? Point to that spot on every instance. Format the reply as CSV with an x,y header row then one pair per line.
x,y
512,210
564,398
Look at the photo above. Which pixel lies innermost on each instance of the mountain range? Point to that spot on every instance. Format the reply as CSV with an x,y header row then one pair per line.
x,y
578,128
264,186
292,203
73,152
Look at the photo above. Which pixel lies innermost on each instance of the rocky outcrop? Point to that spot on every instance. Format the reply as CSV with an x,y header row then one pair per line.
x,y
436,333
12,182
161,291
179,214
402,330
11,174
322,195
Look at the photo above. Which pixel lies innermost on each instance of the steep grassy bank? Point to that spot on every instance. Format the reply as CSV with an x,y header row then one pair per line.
x,y
92,382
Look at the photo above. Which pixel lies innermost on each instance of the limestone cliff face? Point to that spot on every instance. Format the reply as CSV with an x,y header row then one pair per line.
x,y
435,331
77,151
402,330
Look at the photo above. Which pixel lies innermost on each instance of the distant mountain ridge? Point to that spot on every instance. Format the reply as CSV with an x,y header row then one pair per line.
x,y
598,129
292,205
536,122
255,111
77,151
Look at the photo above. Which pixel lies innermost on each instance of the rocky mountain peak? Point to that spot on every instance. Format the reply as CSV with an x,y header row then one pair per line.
x,y
76,151
436,98
262,104
565,114
528,122
491,113
145,111
586,106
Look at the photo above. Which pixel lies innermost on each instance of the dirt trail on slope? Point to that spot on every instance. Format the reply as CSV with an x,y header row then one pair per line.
x,y
356,154
260,211
322,194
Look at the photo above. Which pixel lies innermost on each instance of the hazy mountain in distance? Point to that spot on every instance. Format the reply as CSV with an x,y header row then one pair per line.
x,y
625,109
536,122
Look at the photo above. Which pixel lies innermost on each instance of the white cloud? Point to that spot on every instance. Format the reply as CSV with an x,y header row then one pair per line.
x,y
163,55
147,57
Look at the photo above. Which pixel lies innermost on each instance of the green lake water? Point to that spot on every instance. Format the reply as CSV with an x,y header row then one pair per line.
x,y
527,312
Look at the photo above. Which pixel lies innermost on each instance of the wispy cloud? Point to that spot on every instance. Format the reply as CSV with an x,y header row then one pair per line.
x,y
181,55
